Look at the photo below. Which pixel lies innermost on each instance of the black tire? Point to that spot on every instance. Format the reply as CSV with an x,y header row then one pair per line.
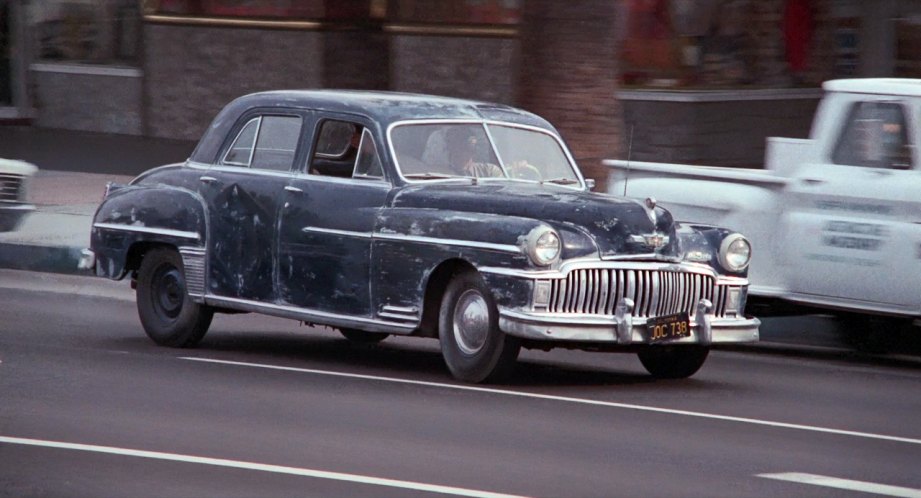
x,y
363,337
673,362
474,349
873,334
168,315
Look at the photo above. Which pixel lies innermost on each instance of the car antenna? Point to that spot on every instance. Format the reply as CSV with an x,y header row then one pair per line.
x,y
629,153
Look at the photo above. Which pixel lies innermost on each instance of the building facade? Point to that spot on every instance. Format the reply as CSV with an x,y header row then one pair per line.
x,y
699,81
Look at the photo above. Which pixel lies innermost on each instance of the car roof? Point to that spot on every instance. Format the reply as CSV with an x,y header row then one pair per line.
x,y
384,108
878,86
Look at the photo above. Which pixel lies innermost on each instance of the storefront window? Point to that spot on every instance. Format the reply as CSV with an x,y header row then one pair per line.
x,y
85,31
734,43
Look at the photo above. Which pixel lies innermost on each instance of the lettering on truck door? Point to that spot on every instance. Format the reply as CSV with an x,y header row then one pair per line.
x,y
853,221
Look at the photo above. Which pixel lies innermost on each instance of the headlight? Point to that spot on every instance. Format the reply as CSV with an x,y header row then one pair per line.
x,y
735,252
543,246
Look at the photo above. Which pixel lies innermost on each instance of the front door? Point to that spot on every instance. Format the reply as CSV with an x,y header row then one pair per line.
x,y
327,221
853,226
244,191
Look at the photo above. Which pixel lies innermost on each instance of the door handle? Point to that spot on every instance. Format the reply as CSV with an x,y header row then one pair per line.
x,y
207,179
293,190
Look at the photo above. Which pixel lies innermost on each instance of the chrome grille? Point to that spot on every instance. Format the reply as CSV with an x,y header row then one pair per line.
x,y
596,291
10,186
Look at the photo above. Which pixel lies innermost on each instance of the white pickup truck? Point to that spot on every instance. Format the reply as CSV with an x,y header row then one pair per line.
x,y
834,220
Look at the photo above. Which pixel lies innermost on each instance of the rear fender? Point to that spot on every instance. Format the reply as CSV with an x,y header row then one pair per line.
x,y
138,216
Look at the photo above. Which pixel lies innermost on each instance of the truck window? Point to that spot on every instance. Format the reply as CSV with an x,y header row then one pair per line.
x,y
874,136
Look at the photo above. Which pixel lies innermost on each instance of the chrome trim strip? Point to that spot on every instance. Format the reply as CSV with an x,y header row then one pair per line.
x,y
333,231
450,242
158,231
401,309
15,206
415,238
397,316
310,316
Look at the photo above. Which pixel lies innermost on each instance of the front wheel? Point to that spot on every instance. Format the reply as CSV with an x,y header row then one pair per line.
x,y
673,362
168,314
474,348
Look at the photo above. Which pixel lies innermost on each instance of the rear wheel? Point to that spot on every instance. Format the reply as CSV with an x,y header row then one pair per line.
x,y
168,314
363,337
474,348
673,362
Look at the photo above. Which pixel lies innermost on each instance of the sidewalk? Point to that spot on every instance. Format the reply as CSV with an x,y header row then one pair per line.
x,y
74,167
50,238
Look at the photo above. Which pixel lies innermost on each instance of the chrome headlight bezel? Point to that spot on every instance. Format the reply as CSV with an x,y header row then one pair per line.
x,y
730,251
544,246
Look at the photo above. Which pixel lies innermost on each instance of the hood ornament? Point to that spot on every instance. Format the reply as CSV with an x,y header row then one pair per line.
x,y
653,240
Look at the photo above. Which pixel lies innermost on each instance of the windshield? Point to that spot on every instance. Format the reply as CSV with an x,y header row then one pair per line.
x,y
452,150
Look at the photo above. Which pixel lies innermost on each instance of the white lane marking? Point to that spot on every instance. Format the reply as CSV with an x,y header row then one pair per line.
x,y
848,484
610,404
278,469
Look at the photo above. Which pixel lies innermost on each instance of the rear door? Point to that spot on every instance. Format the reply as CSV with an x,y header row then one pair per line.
x,y
853,221
243,192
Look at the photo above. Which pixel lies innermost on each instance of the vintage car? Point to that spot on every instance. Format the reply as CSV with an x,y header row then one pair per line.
x,y
383,213
14,179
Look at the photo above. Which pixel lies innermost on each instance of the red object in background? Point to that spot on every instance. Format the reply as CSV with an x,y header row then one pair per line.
x,y
798,26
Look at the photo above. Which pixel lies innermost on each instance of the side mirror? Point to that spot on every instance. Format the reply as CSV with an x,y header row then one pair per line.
x,y
590,183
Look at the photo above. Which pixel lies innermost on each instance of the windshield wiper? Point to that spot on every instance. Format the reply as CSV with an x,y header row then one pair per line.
x,y
431,176
562,181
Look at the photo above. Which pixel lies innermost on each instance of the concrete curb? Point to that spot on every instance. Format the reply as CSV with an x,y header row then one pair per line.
x,y
48,259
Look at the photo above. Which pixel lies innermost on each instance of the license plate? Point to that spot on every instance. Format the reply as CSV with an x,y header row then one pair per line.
x,y
668,327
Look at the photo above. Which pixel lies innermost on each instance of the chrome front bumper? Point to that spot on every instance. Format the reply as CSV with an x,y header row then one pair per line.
x,y
623,328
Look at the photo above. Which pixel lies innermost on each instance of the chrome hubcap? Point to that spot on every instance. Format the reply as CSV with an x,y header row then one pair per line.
x,y
471,322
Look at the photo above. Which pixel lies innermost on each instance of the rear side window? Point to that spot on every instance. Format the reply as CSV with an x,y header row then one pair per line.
x,y
277,142
874,136
266,142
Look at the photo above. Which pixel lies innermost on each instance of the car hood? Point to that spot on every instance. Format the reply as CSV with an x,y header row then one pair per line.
x,y
618,226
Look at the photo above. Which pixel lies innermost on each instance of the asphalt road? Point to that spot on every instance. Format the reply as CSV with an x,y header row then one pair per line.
x,y
265,407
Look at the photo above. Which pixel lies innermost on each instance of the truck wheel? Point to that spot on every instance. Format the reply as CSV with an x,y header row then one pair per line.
x,y
363,337
673,362
474,348
168,315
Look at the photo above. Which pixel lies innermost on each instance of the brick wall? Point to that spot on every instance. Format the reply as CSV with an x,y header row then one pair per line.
x,y
477,68
713,131
569,75
192,72
65,98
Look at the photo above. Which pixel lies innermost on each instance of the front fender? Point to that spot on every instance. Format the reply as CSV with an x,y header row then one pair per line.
x,y
144,214
701,244
410,244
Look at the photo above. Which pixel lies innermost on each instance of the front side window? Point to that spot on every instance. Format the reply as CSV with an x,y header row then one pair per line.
x,y
368,163
874,136
336,148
